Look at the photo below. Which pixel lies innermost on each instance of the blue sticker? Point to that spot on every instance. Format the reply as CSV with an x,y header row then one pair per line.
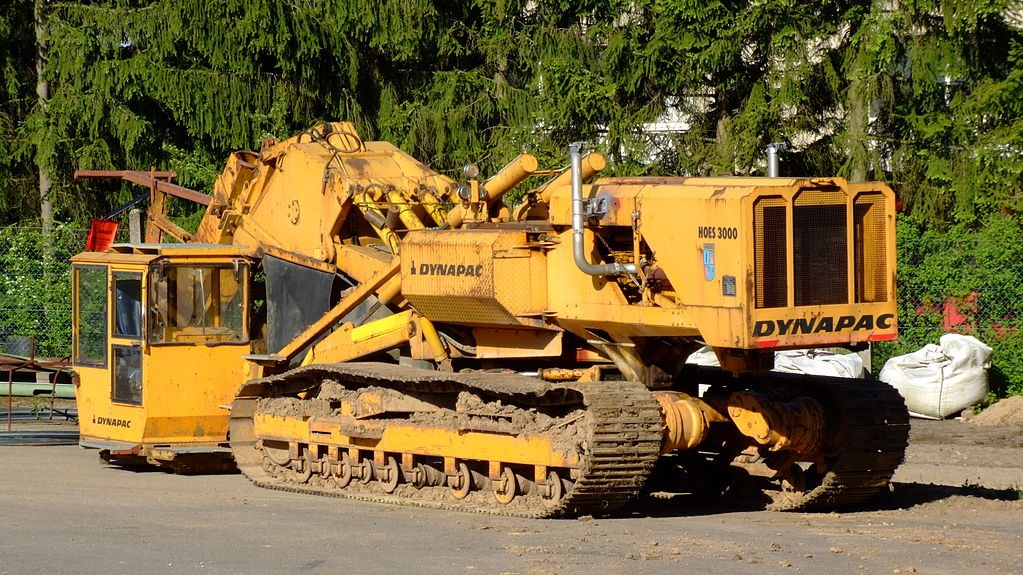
x,y
708,261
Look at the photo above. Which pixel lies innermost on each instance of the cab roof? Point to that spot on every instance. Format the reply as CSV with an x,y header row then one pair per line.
x,y
145,253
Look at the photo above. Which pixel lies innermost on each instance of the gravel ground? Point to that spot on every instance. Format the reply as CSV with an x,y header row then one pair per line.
x,y
954,507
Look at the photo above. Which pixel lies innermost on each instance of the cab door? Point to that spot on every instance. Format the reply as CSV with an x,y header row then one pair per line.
x,y
126,336
108,347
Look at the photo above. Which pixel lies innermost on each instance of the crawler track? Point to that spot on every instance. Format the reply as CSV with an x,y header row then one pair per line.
x,y
870,448
620,444
617,446
869,431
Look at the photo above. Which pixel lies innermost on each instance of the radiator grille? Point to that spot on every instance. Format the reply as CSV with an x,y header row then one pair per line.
x,y
770,241
870,254
820,248
814,231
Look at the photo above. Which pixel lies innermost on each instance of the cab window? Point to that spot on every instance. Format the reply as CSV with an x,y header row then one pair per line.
x,y
198,303
90,319
128,305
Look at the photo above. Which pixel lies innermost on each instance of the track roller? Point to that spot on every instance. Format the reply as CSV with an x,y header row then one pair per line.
x,y
389,475
461,481
505,487
342,471
552,489
426,476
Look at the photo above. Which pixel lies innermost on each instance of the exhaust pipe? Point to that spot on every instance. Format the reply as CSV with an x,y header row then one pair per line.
x,y
773,149
575,153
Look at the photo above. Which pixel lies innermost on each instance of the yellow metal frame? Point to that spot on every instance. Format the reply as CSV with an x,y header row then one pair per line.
x,y
523,449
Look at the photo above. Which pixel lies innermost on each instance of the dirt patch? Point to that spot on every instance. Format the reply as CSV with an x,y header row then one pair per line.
x,y
947,499
331,389
294,407
1008,411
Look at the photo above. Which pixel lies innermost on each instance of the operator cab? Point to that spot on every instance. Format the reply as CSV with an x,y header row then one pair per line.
x,y
174,313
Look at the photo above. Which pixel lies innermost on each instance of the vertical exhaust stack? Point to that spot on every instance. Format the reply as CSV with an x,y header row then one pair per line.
x,y
578,215
773,149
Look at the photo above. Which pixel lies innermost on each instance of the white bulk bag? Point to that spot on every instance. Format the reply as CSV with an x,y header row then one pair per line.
x,y
941,380
817,362
704,356
814,362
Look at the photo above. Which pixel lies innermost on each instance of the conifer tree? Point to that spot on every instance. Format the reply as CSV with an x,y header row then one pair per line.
x,y
19,198
942,82
139,84
852,86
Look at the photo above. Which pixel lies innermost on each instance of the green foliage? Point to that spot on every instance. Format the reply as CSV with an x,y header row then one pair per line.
x,y
197,168
923,94
944,78
965,280
35,286
38,408
19,197
135,84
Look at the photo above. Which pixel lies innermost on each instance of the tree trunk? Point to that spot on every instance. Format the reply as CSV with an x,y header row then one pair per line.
x,y
724,161
859,155
43,93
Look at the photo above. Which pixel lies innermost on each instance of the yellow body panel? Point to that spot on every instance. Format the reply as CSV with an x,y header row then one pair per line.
x,y
579,301
398,438
189,403
708,250
479,277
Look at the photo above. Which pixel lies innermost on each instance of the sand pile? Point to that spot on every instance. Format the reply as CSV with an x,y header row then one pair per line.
x,y
1008,411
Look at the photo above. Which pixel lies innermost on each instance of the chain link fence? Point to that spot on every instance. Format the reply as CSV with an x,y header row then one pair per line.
x,y
969,283
35,289
947,284
924,319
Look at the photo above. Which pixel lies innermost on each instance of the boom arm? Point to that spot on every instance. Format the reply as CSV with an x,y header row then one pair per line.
x,y
308,197
160,186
